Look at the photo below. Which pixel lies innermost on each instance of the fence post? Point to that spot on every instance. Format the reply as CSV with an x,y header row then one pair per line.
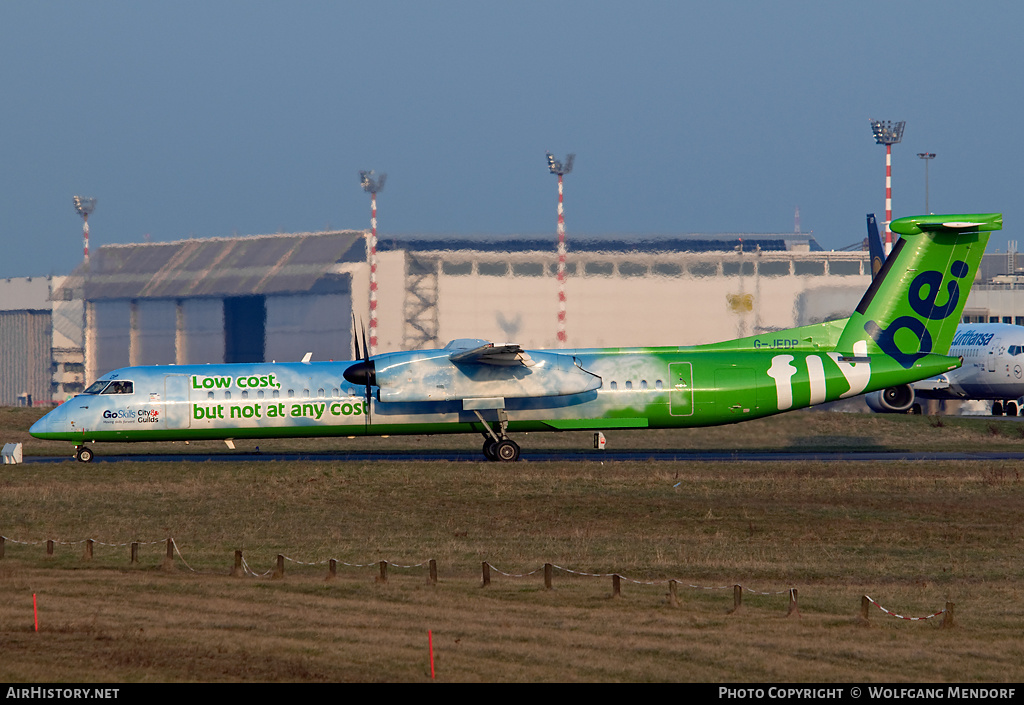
x,y
383,577
432,578
548,572
279,570
487,574
236,569
49,547
88,549
332,569
737,598
134,552
169,558
947,617
616,586
2,546
794,609
864,603
673,596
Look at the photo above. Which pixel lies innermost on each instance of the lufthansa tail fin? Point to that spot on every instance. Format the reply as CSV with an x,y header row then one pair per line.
x,y
914,303
875,248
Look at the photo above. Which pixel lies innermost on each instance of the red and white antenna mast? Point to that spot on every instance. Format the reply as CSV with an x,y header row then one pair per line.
x,y
557,167
888,133
372,185
85,206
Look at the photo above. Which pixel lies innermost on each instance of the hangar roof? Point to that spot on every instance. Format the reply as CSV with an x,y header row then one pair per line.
x,y
304,262
696,242
237,266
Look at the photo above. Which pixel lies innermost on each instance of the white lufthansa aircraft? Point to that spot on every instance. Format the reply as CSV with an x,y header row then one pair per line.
x,y
993,369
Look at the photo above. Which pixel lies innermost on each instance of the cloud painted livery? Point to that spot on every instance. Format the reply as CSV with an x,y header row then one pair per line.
x,y
899,333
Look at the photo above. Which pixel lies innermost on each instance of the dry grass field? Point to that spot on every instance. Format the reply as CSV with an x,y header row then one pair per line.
x,y
912,535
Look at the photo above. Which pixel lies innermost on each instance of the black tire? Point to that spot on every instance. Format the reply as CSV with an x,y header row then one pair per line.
x,y
84,455
489,449
507,451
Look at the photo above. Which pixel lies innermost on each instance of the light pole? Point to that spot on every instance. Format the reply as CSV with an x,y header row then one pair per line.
x,y
927,157
372,185
85,206
888,133
560,169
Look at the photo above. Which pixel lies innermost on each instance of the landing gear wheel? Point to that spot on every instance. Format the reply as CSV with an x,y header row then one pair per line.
x,y
489,448
83,455
507,451
1011,408
997,408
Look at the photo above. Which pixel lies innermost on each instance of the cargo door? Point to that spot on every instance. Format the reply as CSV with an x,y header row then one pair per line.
x,y
174,404
735,391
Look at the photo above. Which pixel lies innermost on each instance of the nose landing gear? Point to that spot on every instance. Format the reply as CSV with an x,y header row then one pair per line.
x,y
83,454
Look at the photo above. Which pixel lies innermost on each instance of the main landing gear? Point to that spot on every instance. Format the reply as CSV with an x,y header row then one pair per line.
x,y
1009,408
498,446
83,454
505,450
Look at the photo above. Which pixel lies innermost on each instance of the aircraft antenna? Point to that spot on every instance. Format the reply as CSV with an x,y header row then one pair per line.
x,y
927,157
888,133
558,168
372,184
84,206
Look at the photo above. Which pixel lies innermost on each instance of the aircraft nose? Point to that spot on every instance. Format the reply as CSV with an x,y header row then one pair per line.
x,y
52,422
41,426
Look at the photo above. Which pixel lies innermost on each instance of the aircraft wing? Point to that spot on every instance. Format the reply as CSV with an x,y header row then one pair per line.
x,y
507,355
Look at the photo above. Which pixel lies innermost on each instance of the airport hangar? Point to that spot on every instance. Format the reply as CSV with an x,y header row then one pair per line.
x,y
277,297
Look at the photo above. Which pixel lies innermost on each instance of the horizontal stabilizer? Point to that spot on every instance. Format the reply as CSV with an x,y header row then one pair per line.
x,y
973,223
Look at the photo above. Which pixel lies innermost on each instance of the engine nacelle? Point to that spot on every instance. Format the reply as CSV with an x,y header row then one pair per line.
x,y
892,400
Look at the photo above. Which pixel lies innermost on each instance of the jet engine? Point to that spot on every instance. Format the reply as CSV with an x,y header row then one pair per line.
x,y
891,400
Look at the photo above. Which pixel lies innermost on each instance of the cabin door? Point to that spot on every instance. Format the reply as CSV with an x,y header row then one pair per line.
x,y
680,395
995,349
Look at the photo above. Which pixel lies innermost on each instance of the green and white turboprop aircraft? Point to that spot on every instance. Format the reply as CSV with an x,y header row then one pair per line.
x,y
898,334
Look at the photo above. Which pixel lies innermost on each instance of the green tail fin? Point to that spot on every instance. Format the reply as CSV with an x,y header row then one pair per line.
x,y
914,303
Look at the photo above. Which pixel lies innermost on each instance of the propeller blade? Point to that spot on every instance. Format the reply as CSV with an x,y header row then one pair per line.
x,y
355,338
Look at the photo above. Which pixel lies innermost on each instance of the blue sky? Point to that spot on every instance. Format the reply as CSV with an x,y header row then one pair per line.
x,y
217,118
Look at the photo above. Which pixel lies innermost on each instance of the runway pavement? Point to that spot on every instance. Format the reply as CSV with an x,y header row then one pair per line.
x,y
760,456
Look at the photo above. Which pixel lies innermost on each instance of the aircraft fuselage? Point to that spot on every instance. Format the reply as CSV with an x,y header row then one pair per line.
x,y
638,388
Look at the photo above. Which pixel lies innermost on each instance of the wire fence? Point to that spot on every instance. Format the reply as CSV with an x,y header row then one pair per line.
x,y
241,567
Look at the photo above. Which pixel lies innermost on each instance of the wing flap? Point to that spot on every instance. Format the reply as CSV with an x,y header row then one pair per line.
x,y
507,355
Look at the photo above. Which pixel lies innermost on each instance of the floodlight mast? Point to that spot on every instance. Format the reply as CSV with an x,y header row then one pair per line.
x,y
84,206
927,157
372,184
888,133
560,169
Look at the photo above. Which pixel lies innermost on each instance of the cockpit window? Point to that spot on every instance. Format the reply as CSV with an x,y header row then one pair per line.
x,y
97,386
1016,350
119,386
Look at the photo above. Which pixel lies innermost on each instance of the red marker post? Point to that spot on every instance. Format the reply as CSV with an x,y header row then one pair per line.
x,y
35,611
430,645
